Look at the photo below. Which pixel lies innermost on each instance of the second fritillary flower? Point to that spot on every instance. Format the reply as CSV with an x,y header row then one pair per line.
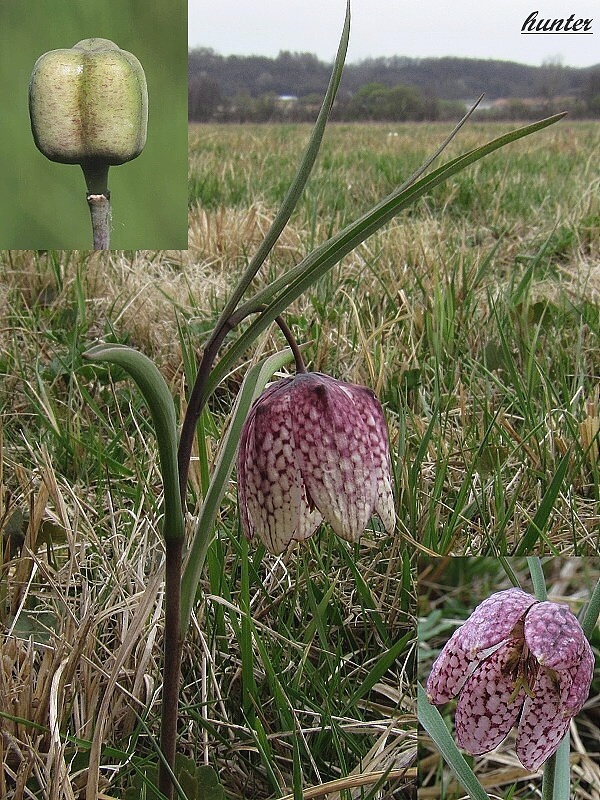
x,y
515,661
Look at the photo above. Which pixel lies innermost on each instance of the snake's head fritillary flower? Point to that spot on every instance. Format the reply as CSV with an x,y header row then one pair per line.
x,y
515,661
313,448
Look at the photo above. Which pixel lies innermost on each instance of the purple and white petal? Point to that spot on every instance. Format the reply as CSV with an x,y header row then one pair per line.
x,y
486,709
374,421
450,670
575,692
514,653
494,619
489,625
554,635
272,496
543,725
313,448
333,452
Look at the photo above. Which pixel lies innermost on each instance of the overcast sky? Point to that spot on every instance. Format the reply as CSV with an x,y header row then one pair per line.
x,y
416,28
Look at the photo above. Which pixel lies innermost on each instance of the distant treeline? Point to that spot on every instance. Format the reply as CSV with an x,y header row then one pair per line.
x,y
291,86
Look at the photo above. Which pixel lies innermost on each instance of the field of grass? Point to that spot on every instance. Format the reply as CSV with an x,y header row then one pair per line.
x,y
475,318
474,315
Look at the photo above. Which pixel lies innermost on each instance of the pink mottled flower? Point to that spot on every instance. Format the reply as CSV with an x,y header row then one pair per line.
x,y
313,448
515,661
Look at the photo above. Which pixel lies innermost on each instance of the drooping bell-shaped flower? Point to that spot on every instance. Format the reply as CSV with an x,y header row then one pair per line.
x,y
515,661
313,448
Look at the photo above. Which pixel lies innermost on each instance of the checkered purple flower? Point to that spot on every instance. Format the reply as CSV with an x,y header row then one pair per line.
x,y
313,448
515,661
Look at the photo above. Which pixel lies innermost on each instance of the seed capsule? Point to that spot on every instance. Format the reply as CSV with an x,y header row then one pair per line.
x,y
89,104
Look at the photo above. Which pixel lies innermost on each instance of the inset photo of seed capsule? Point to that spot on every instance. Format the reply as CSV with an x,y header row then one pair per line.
x,y
104,87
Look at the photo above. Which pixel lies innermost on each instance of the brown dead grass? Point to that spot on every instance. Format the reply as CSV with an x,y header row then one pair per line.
x,y
91,613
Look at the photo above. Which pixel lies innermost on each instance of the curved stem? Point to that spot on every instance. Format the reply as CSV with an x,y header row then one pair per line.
x,y
289,337
199,395
196,403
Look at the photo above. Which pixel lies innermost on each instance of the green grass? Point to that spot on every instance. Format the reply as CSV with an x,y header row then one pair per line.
x,y
474,316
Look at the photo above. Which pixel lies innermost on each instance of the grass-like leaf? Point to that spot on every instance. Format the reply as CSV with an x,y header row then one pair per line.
x,y
540,520
592,612
276,297
156,393
431,719
254,382
299,182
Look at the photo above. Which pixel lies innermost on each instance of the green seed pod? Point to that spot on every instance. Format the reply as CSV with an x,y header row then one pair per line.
x,y
89,105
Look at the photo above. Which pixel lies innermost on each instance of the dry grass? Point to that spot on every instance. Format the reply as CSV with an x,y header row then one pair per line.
x,y
81,655
78,650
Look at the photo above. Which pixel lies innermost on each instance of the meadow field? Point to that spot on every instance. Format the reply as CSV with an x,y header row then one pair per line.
x,y
474,316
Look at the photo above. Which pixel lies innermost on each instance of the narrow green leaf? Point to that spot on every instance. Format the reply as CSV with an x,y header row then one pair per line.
x,y
266,752
556,780
375,790
319,616
539,522
284,290
510,573
297,768
592,612
253,384
298,183
562,771
431,719
537,577
156,393
380,668
249,690
366,597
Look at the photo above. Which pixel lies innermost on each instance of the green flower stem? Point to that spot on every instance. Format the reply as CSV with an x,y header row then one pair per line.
x,y
557,774
431,720
98,198
173,648
254,382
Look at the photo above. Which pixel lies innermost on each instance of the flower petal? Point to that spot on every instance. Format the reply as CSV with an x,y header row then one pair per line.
x,y
272,498
493,620
554,635
486,710
575,693
543,725
450,670
334,452
380,453
490,623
